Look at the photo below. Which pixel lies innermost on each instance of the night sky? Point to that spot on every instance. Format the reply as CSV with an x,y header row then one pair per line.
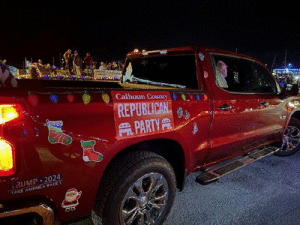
x,y
109,30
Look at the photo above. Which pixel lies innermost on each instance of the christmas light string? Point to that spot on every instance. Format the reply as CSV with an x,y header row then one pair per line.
x,y
87,98
184,95
54,96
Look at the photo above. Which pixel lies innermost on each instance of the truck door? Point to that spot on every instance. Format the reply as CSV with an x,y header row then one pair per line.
x,y
236,123
176,73
272,116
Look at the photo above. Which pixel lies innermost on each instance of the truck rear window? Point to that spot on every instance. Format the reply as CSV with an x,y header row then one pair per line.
x,y
168,71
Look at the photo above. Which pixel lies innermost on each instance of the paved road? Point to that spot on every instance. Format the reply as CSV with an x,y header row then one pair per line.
x,y
264,192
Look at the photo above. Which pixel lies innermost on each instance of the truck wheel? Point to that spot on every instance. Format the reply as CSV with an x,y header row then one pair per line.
x,y
137,189
290,143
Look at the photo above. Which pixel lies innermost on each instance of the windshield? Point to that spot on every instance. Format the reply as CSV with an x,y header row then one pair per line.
x,y
168,71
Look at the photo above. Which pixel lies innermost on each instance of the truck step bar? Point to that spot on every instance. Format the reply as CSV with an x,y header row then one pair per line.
x,y
213,174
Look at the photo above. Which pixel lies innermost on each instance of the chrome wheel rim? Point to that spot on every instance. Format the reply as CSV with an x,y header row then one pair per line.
x,y
145,200
291,139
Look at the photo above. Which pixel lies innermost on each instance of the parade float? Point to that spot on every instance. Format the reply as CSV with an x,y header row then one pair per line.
x,y
40,71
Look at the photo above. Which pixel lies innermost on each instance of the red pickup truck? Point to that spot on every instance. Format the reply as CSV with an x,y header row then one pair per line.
x,y
122,149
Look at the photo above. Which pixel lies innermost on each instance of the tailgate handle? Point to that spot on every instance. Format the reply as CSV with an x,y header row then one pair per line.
x,y
224,107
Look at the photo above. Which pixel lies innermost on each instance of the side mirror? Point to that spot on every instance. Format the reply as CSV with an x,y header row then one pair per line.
x,y
290,90
294,90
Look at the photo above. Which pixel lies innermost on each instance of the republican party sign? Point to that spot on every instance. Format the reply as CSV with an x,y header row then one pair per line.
x,y
139,113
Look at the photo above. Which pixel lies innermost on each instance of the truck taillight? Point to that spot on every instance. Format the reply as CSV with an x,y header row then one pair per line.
x,y
9,113
7,158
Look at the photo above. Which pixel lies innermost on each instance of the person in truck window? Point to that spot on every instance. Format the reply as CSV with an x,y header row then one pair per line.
x,y
221,74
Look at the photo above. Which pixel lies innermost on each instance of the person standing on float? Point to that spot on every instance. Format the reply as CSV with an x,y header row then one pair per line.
x,y
89,63
77,62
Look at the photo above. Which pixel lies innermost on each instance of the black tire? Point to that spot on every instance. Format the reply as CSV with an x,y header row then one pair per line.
x,y
290,143
119,191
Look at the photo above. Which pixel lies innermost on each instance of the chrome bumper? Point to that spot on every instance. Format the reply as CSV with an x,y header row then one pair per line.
x,y
43,210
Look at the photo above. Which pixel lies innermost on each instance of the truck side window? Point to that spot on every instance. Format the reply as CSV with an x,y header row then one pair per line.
x,y
261,81
230,73
177,71
235,74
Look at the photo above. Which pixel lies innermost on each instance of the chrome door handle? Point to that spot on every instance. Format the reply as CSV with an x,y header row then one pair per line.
x,y
224,107
264,104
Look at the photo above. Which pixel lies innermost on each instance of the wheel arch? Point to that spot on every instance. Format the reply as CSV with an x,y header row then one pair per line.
x,y
296,115
171,150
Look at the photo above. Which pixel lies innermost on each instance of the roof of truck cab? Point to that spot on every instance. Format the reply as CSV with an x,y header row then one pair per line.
x,y
186,50
167,51
181,50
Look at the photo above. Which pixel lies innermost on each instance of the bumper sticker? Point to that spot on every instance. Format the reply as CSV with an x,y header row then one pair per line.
x,y
56,134
195,128
71,200
34,184
89,154
179,112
